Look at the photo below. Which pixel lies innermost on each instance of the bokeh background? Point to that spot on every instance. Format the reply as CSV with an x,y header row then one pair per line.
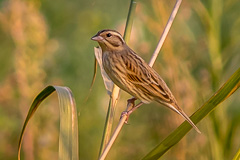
x,y
48,43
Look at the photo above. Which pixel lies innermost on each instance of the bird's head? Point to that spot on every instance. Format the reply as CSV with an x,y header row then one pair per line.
x,y
109,40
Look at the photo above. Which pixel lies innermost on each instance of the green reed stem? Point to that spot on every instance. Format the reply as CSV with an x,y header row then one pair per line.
x,y
129,22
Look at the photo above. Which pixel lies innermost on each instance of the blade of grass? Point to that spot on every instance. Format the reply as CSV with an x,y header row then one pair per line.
x,y
222,94
68,137
115,91
93,79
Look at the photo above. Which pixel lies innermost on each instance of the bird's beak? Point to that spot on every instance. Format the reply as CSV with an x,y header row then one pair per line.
x,y
97,38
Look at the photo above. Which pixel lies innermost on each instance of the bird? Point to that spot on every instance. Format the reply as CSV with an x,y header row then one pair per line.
x,y
132,74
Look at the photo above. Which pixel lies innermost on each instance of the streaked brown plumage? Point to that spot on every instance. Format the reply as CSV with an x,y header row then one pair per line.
x,y
132,74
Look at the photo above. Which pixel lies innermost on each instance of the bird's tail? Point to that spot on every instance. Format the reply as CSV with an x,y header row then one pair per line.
x,y
184,115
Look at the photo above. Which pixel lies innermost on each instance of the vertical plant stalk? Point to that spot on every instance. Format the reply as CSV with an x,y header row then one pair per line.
x,y
129,22
151,62
115,134
116,90
107,126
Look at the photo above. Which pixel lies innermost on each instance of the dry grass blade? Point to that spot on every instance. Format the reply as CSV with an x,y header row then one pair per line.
x,y
93,79
107,81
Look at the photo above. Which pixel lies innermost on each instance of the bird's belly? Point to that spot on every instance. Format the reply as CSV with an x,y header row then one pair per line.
x,y
114,75
115,72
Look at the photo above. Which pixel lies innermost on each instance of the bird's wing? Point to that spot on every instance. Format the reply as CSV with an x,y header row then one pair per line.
x,y
146,78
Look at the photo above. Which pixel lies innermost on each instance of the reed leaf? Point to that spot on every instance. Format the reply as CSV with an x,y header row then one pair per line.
x,y
68,136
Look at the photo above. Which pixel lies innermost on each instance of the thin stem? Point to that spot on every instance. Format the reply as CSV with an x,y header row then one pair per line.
x,y
129,22
106,131
165,32
115,134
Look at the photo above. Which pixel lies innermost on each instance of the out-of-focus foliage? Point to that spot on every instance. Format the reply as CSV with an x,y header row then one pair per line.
x,y
48,42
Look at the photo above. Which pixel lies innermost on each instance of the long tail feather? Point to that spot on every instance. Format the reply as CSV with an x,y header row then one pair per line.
x,y
184,115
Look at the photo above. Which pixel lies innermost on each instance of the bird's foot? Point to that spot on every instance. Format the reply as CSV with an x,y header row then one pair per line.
x,y
127,113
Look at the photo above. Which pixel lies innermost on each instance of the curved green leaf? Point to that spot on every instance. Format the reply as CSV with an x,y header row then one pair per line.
x,y
68,137
222,94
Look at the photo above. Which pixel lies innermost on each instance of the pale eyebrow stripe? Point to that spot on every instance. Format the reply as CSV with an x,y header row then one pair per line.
x,y
119,36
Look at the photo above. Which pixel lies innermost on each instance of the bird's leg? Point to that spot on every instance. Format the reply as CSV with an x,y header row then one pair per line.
x,y
131,103
135,107
128,112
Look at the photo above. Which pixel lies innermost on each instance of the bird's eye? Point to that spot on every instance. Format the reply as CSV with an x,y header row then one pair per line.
x,y
109,35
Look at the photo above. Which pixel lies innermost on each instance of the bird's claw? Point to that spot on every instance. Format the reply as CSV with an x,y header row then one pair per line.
x,y
125,113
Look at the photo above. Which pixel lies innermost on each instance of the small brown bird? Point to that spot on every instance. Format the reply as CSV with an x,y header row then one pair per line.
x,y
132,74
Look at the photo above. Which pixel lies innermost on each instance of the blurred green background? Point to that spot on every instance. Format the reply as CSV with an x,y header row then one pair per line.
x,y
48,42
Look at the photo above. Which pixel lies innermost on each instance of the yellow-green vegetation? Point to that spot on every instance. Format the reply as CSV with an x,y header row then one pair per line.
x,y
43,43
